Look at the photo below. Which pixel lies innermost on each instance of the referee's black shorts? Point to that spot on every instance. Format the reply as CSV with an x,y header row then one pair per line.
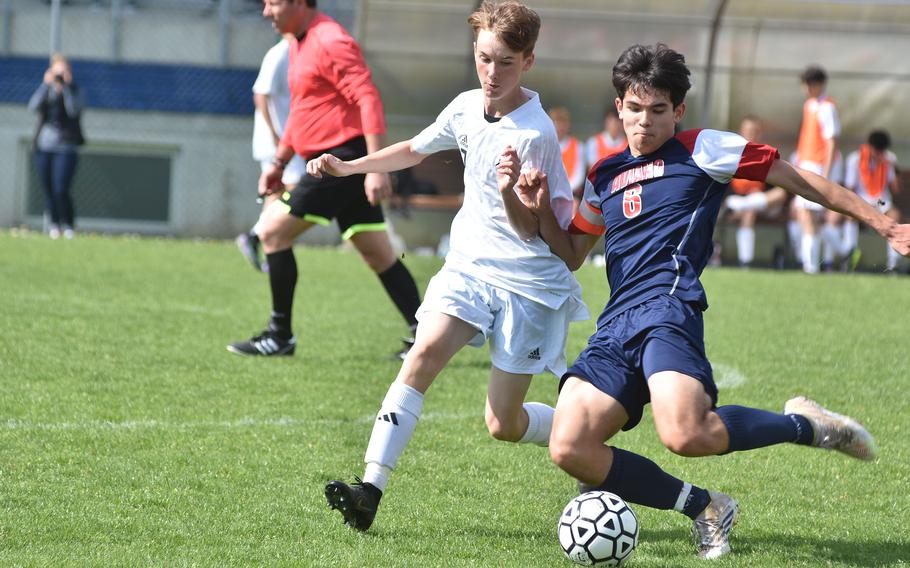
x,y
321,200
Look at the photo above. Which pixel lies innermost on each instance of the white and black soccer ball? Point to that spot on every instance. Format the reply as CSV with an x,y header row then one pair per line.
x,y
598,528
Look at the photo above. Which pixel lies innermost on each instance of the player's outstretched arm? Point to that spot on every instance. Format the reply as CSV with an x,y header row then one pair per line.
x,y
833,196
389,159
508,168
534,191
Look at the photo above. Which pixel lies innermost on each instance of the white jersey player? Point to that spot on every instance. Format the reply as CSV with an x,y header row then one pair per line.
x,y
500,282
272,99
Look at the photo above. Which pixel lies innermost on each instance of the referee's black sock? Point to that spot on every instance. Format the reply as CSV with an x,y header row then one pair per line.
x,y
402,289
283,278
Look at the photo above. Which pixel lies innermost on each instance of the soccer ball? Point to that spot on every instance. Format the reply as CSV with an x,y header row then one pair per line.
x,y
598,528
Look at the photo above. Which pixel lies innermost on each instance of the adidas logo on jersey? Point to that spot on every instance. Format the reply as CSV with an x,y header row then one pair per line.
x,y
535,354
390,417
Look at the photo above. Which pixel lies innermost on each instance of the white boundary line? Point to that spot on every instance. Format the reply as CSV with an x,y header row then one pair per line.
x,y
246,422
727,377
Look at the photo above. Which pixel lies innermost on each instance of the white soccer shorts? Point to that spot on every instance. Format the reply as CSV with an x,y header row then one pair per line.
x,y
525,337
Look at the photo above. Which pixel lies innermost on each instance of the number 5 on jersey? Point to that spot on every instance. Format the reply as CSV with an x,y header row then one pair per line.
x,y
631,201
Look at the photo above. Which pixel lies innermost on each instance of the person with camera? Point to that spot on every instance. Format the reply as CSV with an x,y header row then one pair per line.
x,y
59,102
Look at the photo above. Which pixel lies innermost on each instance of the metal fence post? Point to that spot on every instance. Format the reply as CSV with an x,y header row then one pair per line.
x,y
55,26
224,16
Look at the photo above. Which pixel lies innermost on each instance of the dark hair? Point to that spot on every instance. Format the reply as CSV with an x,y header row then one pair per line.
x,y
652,68
880,140
814,75
311,3
512,22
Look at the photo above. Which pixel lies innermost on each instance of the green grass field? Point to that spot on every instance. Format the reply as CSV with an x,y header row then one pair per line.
x,y
130,437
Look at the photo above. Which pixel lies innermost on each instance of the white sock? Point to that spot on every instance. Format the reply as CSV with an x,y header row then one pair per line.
x,y
795,231
893,257
832,242
745,243
810,250
851,236
751,202
540,421
392,431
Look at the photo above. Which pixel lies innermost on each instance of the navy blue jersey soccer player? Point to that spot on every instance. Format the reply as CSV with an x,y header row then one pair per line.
x,y
656,204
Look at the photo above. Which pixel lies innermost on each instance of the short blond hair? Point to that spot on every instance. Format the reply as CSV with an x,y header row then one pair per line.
x,y
510,21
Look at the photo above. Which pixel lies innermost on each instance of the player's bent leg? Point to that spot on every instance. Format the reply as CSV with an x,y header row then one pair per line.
x,y
683,417
507,418
833,431
439,337
584,419
279,229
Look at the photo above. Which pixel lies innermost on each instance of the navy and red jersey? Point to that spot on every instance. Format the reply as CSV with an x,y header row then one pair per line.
x,y
657,213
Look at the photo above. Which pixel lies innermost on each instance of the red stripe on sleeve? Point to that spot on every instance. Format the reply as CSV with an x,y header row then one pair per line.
x,y
756,161
688,137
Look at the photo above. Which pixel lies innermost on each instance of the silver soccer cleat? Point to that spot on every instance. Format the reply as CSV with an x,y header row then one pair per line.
x,y
711,529
834,431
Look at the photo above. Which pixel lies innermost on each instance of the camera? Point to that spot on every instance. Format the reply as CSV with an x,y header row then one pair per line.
x,y
58,78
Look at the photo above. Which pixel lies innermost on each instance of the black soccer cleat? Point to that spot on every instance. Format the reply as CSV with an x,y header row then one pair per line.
x,y
267,344
357,502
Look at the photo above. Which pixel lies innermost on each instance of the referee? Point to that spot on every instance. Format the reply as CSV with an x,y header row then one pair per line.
x,y
335,108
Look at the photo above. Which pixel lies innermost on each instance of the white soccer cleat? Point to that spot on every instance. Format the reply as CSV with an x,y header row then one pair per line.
x,y
834,431
711,529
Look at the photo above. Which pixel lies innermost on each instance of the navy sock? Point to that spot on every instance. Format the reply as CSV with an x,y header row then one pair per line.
x,y
283,279
400,286
639,480
751,428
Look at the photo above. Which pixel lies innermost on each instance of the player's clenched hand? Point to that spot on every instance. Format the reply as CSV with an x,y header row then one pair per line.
x,y
326,164
534,190
377,187
899,239
270,181
507,169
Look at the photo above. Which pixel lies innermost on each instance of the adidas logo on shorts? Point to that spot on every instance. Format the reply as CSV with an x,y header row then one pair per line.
x,y
535,354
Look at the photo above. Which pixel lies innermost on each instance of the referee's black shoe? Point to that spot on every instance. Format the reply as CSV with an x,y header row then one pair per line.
x,y
357,502
269,343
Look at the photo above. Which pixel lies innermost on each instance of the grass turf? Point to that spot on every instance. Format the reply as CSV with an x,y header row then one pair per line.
x,y
130,437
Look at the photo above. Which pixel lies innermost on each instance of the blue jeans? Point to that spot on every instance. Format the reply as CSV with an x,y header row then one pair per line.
x,y
56,171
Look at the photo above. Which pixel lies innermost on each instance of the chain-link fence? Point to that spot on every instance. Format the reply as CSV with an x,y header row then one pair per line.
x,y
170,80
168,117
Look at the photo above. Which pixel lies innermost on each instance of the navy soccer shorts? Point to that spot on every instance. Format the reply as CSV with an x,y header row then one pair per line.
x,y
661,334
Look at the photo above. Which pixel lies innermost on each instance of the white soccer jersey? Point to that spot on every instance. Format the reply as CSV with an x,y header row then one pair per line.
x,y
483,242
272,81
